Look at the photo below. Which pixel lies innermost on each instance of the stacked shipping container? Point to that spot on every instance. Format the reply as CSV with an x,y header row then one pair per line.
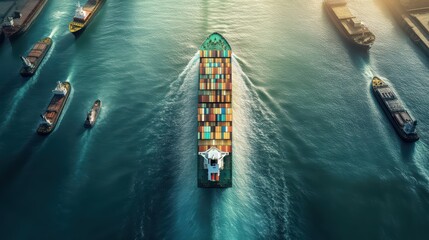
x,y
214,101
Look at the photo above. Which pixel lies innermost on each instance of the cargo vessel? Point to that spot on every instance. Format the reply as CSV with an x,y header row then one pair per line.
x,y
21,20
352,29
34,58
401,120
53,112
215,113
84,15
92,115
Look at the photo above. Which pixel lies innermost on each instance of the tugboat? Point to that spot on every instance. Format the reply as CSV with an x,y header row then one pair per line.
x,y
92,115
52,114
35,57
349,26
215,114
84,15
15,25
401,120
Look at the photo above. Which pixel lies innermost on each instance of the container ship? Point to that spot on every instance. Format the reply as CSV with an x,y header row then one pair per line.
x,y
21,20
404,125
35,57
84,15
53,112
349,26
215,114
92,115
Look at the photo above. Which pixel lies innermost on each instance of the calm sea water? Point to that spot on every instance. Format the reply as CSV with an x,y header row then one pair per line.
x,y
315,157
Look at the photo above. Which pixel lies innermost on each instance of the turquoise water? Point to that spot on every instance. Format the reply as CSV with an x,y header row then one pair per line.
x,y
314,155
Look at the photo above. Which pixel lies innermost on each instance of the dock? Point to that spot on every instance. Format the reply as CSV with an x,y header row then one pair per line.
x,y
413,17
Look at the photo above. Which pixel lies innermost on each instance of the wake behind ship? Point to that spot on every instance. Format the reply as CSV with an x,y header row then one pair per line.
x,y
401,120
215,113
349,26
84,15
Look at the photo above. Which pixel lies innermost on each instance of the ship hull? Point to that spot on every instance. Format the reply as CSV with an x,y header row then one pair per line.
x,y
398,128
28,73
78,32
342,31
58,109
1,36
17,31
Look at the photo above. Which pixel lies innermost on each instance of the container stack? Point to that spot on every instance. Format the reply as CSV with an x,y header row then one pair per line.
x,y
214,101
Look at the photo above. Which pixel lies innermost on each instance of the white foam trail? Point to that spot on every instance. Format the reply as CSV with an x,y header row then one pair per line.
x,y
54,30
368,71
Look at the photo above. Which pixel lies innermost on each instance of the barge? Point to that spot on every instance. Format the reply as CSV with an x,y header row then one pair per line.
x,y
34,58
215,113
352,29
92,115
53,112
21,20
84,15
401,120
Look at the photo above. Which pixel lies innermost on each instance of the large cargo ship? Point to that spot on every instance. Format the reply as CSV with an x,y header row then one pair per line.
x,y
349,26
215,113
84,15
22,19
53,112
404,125
35,57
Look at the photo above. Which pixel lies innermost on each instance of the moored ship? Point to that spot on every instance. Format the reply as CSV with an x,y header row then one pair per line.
x,y
21,20
92,115
84,15
401,120
53,112
34,58
349,26
215,113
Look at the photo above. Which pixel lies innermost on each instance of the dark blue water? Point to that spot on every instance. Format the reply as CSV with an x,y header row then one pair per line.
x,y
314,155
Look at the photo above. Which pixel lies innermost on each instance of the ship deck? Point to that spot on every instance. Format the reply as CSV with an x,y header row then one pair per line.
x,y
6,8
26,11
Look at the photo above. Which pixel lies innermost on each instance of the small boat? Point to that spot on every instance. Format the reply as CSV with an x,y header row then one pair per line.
x,y
53,112
92,115
401,120
35,57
